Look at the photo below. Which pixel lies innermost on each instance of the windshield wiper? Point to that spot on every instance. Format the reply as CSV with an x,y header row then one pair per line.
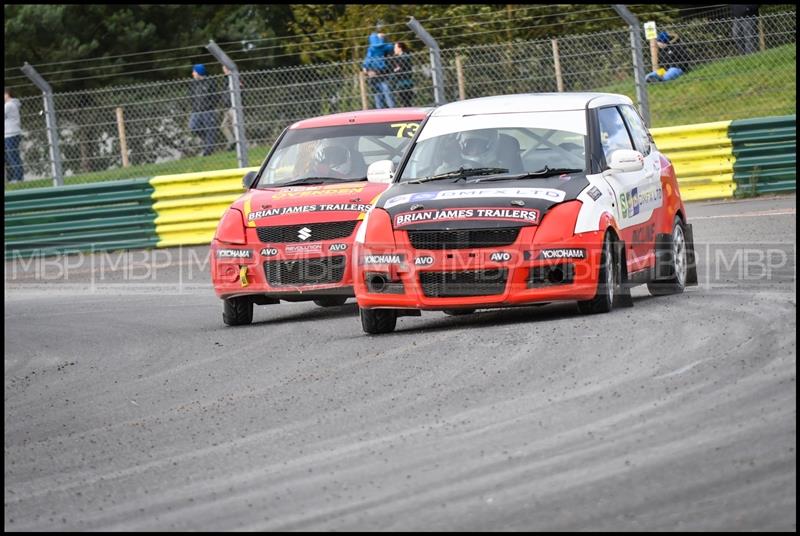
x,y
315,180
544,172
461,173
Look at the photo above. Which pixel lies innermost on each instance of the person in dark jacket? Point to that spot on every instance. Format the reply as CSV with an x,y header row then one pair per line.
x,y
403,85
377,69
205,100
673,56
745,27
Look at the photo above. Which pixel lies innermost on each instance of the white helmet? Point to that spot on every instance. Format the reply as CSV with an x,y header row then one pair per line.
x,y
334,156
477,145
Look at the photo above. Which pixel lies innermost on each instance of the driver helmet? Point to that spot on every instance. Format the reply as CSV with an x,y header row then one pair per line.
x,y
478,145
334,156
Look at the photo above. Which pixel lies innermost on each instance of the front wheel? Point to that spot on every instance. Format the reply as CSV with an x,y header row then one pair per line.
x,y
607,281
679,260
377,321
237,311
331,301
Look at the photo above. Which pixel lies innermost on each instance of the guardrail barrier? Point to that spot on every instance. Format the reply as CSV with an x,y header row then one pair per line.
x,y
713,161
100,216
766,154
703,158
188,206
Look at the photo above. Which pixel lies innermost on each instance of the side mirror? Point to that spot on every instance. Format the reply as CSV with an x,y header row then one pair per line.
x,y
626,160
381,171
249,179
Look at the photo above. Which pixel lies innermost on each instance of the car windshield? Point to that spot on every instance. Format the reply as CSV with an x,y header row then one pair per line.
x,y
335,153
520,146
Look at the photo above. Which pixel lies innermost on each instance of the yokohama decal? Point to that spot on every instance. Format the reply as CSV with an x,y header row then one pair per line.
x,y
563,253
234,254
521,215
382,259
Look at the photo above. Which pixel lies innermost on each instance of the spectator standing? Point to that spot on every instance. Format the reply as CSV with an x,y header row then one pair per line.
x,y
403,80
377,68
12,136
205,99
228,115
745,27
673,57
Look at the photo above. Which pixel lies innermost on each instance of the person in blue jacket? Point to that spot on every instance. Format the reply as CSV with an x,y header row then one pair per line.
x,y
673,56
377,69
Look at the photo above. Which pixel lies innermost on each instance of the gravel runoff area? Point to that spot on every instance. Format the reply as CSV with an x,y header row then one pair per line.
x,y
130,406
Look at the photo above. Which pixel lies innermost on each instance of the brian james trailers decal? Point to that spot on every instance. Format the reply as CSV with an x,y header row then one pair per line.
x,y
520,215
331,207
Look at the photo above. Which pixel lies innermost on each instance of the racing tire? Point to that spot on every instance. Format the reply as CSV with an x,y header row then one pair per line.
x,y
331,301
237,311
679,259
378,321
607,282
458,312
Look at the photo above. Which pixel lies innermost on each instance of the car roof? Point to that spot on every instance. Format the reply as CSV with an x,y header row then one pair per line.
x,y
364,116
530,102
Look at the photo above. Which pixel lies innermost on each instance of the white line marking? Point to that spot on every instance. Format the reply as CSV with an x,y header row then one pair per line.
x,y
747,215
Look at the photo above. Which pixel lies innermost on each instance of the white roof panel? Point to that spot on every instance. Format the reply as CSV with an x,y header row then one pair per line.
x,y
529,102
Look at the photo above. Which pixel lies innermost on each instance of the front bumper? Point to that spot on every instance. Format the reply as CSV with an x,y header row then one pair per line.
x,y
270,271
478,278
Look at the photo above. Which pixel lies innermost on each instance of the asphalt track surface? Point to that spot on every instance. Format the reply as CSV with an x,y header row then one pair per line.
x,y
129,406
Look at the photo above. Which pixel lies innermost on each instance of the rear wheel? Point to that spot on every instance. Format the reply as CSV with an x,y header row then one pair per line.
x,y
607,282
331,301
458,312
679,259
377,321
237,311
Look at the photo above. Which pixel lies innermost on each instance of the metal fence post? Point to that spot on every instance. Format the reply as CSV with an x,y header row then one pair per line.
x,y
638,62
462,87
50,121
236,101
123,139
362,89
557,66
436,59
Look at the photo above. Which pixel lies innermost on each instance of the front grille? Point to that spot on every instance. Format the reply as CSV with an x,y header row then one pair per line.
x,y
314,232
320,271
463,238
468,283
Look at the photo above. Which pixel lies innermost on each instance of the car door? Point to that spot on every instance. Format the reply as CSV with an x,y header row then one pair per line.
x,y
634,191
650,198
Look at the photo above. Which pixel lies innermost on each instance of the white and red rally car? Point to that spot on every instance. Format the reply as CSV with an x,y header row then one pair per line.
x,y
522,199
289,237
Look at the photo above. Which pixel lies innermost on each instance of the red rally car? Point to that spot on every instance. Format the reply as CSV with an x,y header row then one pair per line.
x,y
523,199
290,235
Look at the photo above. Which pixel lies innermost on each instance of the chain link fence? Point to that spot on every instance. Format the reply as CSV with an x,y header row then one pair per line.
x,y
736,68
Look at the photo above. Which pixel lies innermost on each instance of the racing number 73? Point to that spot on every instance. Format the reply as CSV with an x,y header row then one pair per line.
x,y
409,129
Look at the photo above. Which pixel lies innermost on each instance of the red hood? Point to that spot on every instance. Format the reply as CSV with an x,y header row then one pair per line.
x,y
312,204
